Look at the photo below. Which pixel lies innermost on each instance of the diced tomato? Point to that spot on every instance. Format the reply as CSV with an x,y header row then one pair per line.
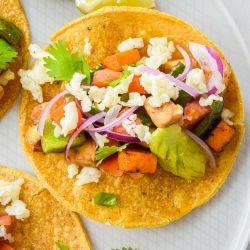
x,y
102,77
135,86
57,111
111,166
193,113
115,62
5,220
5,246
119,128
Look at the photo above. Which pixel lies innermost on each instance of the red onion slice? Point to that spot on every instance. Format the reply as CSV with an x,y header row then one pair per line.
x,y
188,63
46,110
121,137
217,58
208,58
191,91
117,121
84,125
197,139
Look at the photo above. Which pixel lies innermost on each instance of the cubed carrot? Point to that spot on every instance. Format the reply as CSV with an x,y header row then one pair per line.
x,y
137,160
220,136
111,166
115,62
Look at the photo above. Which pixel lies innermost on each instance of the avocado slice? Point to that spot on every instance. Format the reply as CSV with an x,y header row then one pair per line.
x,y
50,143
10,32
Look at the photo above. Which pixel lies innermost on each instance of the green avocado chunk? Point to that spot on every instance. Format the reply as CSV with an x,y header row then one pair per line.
x,y
178,153
50,143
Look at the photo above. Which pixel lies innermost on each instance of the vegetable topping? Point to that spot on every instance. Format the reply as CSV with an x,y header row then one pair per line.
x,y
126,116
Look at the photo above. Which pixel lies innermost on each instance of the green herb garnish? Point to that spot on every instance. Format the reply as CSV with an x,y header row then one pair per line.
x,y
64,64
125,73
106,151
7,54
62,246
106,199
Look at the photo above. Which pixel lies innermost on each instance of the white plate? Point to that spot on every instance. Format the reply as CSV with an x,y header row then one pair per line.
x,y
222,222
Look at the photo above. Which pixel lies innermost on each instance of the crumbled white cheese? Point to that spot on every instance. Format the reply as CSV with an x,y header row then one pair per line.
x,y
110,99
142,133
96,94
5,235
31,79
70,119
6,76
131,43
207,101
196,79
18,209
135,99
123,86
86,103
159,52
139,130
87,47
101,139
161,89
74,86
88,175
226,116
9,191
37,52
72,170
129,124
57,131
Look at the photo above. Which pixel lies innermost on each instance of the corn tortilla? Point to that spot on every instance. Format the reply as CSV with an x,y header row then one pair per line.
x,y
154,200
12,11
48,223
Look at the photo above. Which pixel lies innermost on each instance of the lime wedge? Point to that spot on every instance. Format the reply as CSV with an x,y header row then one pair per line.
x,y
86,6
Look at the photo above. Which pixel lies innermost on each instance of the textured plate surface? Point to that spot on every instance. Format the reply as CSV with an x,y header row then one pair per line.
x,y
222,223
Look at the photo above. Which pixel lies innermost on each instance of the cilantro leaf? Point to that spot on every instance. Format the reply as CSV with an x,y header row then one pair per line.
x,y
106,199
7,54
106,151
62,246
63,64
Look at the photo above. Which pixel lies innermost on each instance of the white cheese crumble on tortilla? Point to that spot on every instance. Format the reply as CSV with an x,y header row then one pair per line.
x,y
226,116
31,79
101,139
87,47
72,170
196,79
18,209
70,119
161,89
9,191
131,43
88,175
5,235
159,52
207,101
